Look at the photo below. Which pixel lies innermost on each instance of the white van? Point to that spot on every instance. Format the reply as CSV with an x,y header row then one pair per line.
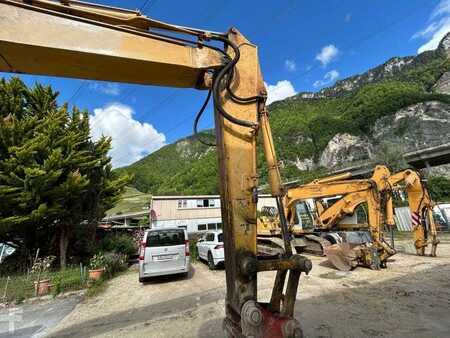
x,y
164,252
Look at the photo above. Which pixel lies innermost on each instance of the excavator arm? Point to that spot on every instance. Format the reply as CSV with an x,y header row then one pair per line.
x,y
421,207
89,41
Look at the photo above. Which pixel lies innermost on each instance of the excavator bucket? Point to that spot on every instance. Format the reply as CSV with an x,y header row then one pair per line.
x,y
343,256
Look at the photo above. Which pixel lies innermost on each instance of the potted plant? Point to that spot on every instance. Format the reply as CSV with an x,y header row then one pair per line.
x,y
40,268
97,266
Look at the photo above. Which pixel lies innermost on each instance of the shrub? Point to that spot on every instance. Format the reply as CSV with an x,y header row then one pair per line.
x,y
115,262
42,265
97,262
119,243
439,187
193,252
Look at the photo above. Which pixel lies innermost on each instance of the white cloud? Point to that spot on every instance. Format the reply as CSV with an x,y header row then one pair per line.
x,y
327,54
107,88
443,8
131,139
430,29
433,42
279,91
437,28
290,65
348,17
327,79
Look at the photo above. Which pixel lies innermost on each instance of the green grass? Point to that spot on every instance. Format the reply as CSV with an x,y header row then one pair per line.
x,y
131,200
96,288
21,287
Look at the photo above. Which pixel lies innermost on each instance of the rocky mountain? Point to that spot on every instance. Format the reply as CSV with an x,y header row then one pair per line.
x,y
403,103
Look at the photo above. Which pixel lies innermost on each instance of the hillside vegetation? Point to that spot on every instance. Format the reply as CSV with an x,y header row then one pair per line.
x,y
302,126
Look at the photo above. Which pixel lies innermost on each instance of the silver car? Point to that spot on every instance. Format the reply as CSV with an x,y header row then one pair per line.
x,y
164,252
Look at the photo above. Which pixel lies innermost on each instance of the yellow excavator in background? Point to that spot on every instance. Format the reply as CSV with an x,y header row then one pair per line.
x,y
409,182
318,229
362,244
89,41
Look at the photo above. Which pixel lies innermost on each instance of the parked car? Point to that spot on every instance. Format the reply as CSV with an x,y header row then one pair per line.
x,y
441,213
210,248
164,252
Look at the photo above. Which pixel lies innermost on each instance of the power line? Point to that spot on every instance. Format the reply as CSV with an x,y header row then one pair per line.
x,y
77,91
359,42
146,3
83,84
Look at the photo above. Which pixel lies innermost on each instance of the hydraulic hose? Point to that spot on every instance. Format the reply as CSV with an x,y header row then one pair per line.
x,y
218,80
197,119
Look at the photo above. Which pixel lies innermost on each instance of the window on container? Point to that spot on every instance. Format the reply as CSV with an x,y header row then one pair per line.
x,y
219,226
210,237
212,226
180,204
184,203
220,238
201,227
212,203
199,203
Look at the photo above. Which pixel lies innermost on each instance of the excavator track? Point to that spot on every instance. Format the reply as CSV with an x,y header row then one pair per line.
x,y
315,245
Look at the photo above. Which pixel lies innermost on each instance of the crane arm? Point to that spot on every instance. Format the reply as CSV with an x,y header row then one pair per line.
x,y
89,41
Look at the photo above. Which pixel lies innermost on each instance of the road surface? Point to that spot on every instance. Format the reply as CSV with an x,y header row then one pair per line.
x,y
411,298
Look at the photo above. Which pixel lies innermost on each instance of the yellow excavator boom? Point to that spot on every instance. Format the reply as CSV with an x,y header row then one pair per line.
x,y
90,41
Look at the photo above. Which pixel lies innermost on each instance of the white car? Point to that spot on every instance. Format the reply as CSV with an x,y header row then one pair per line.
x,y
210,248
164,252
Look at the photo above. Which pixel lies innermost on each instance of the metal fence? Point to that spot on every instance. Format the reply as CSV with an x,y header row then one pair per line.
x,y
403,219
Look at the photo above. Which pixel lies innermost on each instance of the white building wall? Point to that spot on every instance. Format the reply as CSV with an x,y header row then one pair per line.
x,y
172,212
192,225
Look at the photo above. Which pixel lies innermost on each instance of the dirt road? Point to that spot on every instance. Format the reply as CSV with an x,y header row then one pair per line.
x,y
409,299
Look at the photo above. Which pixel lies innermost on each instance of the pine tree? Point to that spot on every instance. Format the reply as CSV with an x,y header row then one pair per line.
x,y
53,177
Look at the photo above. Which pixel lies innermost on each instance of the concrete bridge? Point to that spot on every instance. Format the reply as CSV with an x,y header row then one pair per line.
x,y
424,158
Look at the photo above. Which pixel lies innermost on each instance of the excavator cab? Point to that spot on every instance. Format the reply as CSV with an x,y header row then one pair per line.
x,y
304,216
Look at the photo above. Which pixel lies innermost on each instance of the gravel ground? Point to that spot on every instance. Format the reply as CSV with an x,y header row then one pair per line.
x,y
411,298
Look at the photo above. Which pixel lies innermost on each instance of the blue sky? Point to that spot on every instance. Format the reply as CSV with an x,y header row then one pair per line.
x,y
303,46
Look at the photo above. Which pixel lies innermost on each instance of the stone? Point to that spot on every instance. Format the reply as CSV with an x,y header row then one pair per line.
x,y
417,126
344,148
442,86
304,164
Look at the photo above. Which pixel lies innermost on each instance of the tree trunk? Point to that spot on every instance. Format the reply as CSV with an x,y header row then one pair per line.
x,y
63,244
